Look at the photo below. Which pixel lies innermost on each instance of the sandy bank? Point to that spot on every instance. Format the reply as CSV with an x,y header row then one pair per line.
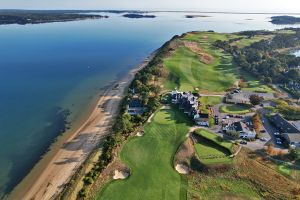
x,y
75,149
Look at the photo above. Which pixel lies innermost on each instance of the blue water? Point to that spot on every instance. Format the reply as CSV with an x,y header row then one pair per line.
x,y
47,68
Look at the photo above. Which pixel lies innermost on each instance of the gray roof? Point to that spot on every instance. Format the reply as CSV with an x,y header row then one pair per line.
x,y
283,125
293,137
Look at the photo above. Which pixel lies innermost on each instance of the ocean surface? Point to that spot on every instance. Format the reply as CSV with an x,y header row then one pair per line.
x,y
48,70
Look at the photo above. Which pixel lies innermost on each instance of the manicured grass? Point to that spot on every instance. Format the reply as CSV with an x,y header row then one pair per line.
x,y
235,109
285,169
150,159
214,138
191,73
212,101
211,148
253,84
210,153
248,41
208,101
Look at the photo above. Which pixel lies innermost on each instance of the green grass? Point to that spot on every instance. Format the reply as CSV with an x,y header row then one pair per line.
x,y
285,169
212,149
150,159
214,138
212,101
253,84
188,72
235,109
248,41
210,153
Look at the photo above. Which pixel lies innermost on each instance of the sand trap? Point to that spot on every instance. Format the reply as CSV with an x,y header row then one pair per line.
x,y
182,169
120,174
140,134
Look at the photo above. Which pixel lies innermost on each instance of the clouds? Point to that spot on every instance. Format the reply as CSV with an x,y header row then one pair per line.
x,y
196,5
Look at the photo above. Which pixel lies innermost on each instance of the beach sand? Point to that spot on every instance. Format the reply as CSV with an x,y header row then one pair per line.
x,y
56,168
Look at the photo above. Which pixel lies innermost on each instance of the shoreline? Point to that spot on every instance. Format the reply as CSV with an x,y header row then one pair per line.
x,y
56,167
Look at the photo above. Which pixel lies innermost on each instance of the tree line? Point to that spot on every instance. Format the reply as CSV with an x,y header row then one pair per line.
x,y
262,58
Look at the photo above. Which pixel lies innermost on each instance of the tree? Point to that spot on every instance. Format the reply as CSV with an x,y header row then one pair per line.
x,y
255,99
257,124
294,154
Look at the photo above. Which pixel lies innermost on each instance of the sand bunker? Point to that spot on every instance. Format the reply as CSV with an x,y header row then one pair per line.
x,y
140,134
182,169
120,174
203,57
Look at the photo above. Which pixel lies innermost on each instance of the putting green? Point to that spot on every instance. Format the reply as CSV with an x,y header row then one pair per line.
x,y
150,159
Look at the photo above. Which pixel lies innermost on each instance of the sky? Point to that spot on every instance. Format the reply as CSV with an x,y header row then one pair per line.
x,y
286,6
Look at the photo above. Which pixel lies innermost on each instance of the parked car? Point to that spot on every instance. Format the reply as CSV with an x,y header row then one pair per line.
x,y
263,131
263,139
243,142
276,133
278,141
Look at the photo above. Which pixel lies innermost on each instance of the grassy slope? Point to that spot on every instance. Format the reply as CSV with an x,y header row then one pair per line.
x,y
215,138
253,84
214,77
235,109
150,159
218,147
211,101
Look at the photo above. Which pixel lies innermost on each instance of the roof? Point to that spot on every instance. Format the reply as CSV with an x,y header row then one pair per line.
x,y
293,137
202,115
240,127
283,125
135,103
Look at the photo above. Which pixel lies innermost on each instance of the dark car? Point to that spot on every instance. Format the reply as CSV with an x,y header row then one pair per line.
x,y
243,142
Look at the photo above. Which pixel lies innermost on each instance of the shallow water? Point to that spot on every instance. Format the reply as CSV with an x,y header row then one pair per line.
x,y
47,68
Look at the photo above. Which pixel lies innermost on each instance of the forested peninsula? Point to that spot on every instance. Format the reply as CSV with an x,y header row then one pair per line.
x,y
38,17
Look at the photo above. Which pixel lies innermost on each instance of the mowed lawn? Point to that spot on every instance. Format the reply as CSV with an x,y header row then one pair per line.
x,y
191,73
150,159
253,84
235,109
211,148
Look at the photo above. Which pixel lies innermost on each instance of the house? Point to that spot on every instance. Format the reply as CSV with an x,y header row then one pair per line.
x,y
240,129
201,119
290,131
135,107
293,139
283,125
189,104
186,101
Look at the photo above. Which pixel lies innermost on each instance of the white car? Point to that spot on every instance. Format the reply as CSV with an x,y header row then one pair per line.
x,y
276,133
278,141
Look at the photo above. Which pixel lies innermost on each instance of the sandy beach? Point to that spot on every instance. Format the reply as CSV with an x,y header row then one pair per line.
x,y
74,150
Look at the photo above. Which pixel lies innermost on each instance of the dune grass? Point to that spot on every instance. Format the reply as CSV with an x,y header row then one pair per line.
x,y
191,73
150,159
220,187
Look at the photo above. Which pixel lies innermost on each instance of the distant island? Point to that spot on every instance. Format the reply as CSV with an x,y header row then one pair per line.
x,y
136,16
285,20
22,18
196,16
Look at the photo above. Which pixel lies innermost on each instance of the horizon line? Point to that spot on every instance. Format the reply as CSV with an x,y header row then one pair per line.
x,y
141,10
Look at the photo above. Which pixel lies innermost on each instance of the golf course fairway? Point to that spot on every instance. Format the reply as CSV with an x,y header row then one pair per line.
x,y
150,159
